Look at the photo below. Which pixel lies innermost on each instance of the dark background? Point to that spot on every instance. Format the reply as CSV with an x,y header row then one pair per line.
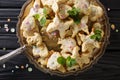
x,y
107,68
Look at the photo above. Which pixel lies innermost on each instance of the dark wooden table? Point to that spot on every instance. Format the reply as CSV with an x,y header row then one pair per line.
x,y
107,68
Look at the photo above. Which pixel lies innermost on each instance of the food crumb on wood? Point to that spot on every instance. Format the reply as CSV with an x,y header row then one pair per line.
x,y
30,69
12,30
7,29
26,65
22,67
4,65
116,30
5,25
108,9
17,67
113,27
12,71
4,49
8,19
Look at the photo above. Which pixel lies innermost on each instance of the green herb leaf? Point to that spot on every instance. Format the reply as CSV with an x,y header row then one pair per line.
x,y
77,20
97,36
93,37
43,21
36,16
98,31
45,11
61,60
73,62
70,62
74,13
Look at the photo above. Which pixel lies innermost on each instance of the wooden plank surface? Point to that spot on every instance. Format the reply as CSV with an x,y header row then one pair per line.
x,y
107,68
